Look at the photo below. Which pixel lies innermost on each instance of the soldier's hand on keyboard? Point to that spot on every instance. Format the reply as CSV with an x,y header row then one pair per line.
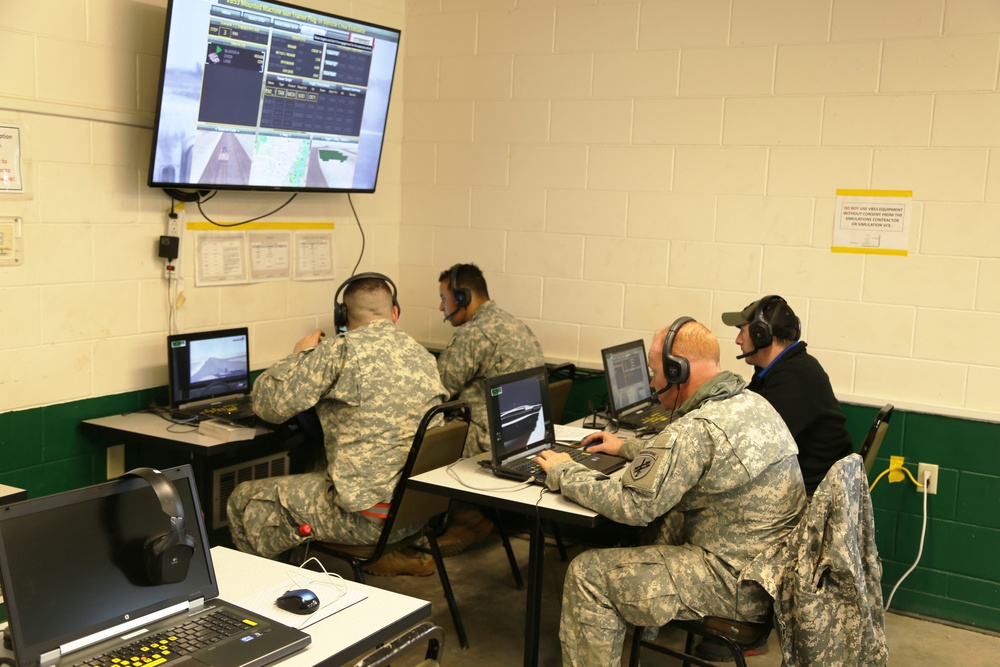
x,y
609,443
547,458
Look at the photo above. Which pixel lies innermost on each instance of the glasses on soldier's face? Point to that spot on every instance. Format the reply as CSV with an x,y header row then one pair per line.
x,y
649,369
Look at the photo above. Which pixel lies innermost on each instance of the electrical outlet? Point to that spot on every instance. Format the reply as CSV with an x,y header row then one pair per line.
x,y
175,227
896,475
931,468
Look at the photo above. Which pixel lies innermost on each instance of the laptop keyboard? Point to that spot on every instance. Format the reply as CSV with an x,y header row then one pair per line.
x,y
529,467
175,642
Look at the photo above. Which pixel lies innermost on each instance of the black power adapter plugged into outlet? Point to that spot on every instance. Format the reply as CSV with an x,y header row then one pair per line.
x,y
169,247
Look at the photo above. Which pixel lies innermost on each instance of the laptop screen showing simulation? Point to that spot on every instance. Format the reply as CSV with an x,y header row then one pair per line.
x,y
72,563
208,365
520,417
626,369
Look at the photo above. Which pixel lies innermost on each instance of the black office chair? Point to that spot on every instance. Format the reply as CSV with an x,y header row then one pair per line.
x,y
433,447
872,441
726,631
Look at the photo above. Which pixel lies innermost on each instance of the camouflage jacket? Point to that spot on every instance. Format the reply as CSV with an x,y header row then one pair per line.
x,y
826,577
493,342
727,465
371,386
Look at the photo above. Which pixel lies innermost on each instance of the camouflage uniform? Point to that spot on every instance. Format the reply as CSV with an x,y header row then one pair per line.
x,y
728,468
371,386
491,343
826,577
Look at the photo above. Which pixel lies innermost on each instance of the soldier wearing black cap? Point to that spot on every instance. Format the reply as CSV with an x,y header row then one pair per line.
x,y
794,382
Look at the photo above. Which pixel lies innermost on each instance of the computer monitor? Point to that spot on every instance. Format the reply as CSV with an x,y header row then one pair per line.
x,y
626,370
208,365
517,406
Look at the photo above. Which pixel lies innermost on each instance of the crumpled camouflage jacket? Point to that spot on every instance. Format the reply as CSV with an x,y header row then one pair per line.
x,y
825,578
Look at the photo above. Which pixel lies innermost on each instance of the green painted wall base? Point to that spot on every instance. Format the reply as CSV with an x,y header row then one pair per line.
x,y
46,451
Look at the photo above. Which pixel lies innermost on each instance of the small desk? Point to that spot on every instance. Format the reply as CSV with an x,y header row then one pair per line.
x,y
340,638
146,428
525,501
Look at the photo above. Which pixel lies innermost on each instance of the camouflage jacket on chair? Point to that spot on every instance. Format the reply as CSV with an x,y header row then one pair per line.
x,y
826,577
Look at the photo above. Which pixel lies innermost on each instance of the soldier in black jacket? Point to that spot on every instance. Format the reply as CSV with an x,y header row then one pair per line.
x,y
794,382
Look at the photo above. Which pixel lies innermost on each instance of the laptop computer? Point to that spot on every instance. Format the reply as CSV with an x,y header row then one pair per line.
x,y
209,373
520,423
631,400
75,581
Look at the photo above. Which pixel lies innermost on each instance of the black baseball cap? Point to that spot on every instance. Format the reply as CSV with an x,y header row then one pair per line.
x,y
777,313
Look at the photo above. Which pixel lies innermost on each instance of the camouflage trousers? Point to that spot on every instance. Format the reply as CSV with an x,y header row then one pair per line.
x,y
606,589
265,515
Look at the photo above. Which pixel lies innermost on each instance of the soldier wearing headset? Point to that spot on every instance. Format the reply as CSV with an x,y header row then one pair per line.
x,y
794,382
726,454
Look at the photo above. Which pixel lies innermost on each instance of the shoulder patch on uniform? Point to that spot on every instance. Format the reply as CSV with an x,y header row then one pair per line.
x,y
643,463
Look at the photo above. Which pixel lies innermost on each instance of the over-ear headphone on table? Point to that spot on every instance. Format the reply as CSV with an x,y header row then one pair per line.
x,y
166,555
340,309
676,368
762,332
461,295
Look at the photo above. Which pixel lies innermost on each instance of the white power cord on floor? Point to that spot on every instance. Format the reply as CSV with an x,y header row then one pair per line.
x,y
920,551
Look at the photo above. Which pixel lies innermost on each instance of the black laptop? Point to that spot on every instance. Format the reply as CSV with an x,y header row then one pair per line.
x,y
520,421
630,398
209,373
78,592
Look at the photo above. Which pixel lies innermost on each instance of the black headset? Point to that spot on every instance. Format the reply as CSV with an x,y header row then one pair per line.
x,y
761,332
166,555
340,310
676,369
461,295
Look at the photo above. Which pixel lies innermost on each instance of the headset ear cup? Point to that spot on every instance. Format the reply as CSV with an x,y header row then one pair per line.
x,y
167,557
676,368
760,334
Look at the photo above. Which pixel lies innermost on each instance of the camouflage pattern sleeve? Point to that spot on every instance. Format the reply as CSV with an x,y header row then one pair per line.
x,y
298,382
458,364
650,486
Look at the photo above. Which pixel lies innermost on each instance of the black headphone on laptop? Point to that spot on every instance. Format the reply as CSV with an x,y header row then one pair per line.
x,y
166,555
340,309
762,332
461,295
676,368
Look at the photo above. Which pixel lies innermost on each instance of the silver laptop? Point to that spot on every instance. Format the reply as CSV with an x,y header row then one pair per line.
x,y
630,398
209,373
520,422
78,590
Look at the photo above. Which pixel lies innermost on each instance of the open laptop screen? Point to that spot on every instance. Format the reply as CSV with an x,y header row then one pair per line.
x,y
625,367
520,417
208,364
71,564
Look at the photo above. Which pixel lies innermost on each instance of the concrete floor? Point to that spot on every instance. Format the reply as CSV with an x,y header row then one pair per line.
x,y
493,612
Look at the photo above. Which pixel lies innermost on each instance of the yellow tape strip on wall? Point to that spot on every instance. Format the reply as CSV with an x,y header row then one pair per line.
x,y
270,226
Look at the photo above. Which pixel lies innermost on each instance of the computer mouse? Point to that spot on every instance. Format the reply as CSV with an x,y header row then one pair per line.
x,y
298,601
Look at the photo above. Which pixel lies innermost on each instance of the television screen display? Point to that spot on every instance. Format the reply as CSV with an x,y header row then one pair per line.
x,y
265,95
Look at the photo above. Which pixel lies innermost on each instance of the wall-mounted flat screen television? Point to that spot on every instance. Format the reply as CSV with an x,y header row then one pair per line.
x,y
264,95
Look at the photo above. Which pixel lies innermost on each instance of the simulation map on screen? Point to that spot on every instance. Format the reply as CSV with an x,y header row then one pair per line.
x,y
263,95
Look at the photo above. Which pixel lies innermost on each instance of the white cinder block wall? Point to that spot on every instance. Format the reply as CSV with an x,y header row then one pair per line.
x,y
86,314
609,164
614,164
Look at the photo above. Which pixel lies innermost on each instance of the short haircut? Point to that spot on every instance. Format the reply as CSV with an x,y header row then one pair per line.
x,y
693,341
368,299
470,277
